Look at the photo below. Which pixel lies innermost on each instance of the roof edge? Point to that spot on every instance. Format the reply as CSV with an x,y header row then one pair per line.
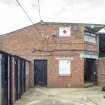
x,y
85,24
55,23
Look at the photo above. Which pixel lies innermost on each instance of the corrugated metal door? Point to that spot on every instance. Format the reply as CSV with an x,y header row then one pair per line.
x,y
16,79
0,79
4,79
10,80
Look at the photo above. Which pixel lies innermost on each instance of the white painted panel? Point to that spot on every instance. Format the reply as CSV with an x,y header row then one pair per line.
x,y
64,67
65,31
90,39
88,56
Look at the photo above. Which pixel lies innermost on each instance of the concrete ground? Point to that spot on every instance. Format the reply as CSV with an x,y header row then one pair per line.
x,y
63,96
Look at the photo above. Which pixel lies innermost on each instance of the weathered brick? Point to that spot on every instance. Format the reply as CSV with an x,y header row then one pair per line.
x,y
41,41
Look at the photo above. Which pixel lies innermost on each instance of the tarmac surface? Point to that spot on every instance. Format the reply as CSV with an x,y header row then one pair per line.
x,y
63,96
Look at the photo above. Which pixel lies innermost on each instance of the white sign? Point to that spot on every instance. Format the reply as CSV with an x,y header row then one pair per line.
x,y
65,31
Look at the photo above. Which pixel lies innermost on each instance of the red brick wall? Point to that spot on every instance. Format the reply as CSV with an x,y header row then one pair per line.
x,y
31,75
101,72
28,75
24,41
30,44
76,79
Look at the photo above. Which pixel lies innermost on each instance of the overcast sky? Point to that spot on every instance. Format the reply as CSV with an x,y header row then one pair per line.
x,y
78,11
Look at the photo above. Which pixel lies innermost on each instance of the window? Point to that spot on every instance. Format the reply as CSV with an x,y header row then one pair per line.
x,y
64,67
90,37
64,32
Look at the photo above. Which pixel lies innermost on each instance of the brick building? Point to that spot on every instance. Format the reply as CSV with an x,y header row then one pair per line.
x,y
101,71
101,34
62,54
101,64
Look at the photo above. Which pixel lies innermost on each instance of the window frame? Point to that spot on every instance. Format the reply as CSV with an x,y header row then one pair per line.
x,y
61,72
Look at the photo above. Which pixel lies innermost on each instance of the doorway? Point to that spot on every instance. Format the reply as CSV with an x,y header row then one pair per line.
x,y
20,77
90,71
40,73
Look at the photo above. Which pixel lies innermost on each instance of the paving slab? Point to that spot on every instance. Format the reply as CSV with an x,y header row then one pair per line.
x,y
63,96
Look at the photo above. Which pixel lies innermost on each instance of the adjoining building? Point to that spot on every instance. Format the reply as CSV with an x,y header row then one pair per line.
x,y
101,34
62,54
101,62
14,78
